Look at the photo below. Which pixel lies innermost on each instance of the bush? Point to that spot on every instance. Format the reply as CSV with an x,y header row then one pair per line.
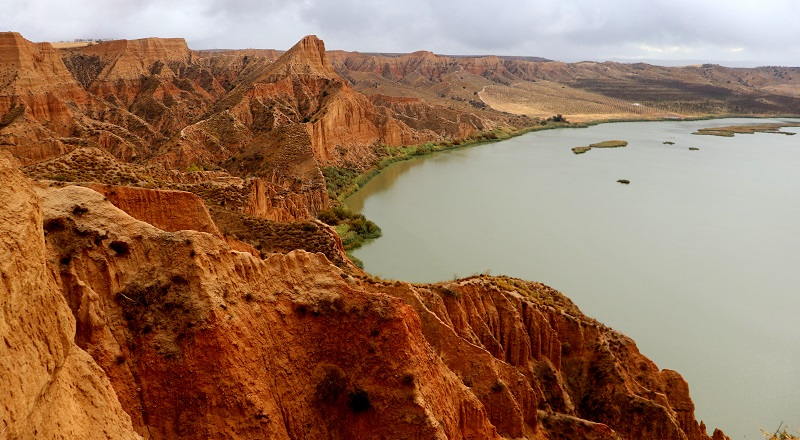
x,y
119,247
12,115
78,210
358,401
780,434
332,385
498,386
338,179
354,229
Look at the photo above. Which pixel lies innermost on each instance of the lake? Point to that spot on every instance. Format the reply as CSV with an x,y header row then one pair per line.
x,y
696,259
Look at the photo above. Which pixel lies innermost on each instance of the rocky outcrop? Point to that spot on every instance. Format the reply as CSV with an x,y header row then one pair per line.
x,y
51,387
167,210
37,93
132,59
301,91
273,201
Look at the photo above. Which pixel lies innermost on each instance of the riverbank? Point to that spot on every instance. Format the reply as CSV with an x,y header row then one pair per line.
x,y
343,182
413,151
398,154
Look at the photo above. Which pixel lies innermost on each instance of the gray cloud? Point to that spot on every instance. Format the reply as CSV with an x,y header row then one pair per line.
x,y
732,31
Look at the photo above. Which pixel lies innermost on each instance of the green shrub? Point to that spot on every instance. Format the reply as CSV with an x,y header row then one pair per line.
x,y
338,179
354,229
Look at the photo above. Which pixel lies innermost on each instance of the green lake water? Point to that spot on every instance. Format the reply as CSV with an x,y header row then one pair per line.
x,y
698,259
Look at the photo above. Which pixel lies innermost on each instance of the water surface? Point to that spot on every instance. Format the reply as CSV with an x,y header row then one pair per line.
x,y
696,260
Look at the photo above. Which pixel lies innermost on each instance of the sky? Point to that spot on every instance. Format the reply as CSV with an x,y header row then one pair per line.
x,y
730,32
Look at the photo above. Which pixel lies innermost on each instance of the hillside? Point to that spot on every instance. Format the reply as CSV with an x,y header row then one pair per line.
x,y
581,91
116,328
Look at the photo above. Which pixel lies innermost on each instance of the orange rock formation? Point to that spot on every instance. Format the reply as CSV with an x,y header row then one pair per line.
x,y
126,329
51,388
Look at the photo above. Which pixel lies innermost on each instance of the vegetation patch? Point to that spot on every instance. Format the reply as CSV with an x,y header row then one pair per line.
x,y
354,229
163,308
338,178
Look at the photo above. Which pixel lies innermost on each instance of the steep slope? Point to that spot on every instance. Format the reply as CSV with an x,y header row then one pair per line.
x,y
37,96
150,87
51,387
201,341
240,206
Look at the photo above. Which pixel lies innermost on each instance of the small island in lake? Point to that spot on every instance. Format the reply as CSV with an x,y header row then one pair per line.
x,y
732,130
610,144
604,144
581,150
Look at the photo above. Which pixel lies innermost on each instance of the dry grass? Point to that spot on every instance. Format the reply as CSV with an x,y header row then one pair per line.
x,y
604,144
581,150
780,434
545,98
610,144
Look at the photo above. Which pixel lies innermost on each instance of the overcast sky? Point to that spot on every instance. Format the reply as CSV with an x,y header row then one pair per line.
x,y
733,32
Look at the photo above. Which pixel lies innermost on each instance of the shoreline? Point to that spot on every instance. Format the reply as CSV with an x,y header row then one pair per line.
x,y
360,180
413,152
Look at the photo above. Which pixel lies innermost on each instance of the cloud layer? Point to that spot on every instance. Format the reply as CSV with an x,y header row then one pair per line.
x,y
728,31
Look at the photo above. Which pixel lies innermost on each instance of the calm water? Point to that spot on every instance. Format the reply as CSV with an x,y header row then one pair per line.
x,y
697,259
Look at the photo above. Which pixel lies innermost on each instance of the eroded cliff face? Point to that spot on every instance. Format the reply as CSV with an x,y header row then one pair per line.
x,y
36,95
201,341
51,387
194,339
